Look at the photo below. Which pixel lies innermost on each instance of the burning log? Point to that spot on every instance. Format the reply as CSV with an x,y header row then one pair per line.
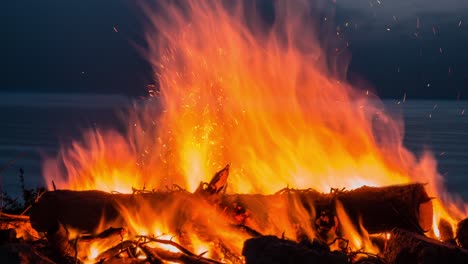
x,y
379,209
84,210
408,247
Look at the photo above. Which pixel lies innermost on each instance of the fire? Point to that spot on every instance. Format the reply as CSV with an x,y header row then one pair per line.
x,y
261,97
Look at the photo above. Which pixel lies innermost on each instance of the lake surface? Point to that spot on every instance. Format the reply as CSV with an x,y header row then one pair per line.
x,y
32,125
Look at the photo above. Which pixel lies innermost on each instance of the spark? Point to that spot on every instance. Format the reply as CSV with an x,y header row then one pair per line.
x,y
388,29
417,22
459,23
440,50
404,97
115,29
434,31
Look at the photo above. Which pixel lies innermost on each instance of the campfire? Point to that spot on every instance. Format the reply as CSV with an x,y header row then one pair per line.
x,y
317,171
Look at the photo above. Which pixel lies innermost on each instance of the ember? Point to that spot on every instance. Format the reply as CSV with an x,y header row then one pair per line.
x,y
266,99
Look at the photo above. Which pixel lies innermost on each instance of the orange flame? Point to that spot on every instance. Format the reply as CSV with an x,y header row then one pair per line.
x,y
262,98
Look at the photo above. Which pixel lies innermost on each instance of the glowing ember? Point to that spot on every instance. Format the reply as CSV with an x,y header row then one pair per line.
x,y
262,98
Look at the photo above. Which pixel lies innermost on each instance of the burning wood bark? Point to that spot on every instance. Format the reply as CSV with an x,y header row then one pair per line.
x,y
379,208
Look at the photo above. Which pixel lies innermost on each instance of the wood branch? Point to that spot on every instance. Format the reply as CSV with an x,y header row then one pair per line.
x,y
379,208
180,256
110,232
270,249
177,257
408,247
217,184
151,256
13,218
116,250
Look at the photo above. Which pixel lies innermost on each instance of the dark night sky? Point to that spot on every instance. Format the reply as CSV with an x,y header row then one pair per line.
x,y
71,46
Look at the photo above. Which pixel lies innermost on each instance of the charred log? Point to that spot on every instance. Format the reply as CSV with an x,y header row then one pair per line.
x,y
379,208
408,247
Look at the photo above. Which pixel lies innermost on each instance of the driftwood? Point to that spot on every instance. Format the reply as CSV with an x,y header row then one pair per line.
x,y
380,208
408,247
270,249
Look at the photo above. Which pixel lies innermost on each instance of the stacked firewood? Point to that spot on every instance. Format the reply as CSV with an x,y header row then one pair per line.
x,y
402,212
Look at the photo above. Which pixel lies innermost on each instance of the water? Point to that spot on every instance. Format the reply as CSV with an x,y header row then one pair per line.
x,y
34,125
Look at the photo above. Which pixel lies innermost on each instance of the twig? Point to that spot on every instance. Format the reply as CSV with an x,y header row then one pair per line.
x,y
29,207
179,247
157,255
117,249
169,242
353,254
4,217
